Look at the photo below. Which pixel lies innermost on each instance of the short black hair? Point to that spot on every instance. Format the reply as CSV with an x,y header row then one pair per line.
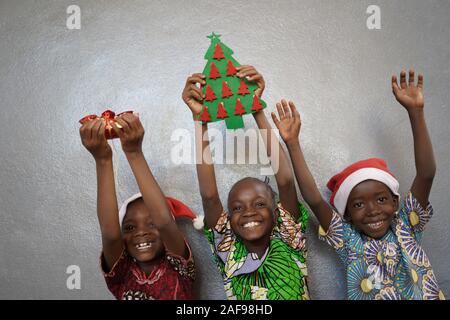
x,y
265,183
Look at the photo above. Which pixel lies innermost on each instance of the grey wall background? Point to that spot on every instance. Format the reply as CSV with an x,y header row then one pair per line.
x,y
137,54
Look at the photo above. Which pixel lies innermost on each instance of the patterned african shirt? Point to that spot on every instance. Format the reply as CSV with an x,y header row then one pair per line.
x,y
394,267
279,275
171,279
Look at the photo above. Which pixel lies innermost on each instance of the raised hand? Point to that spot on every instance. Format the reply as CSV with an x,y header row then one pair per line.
x,y
130,131
93,139
409,94
192,95
251,74
289,121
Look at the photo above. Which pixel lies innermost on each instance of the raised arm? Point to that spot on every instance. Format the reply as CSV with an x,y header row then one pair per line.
x,y
276,153
93,138
131,135
212,205
410,96
289,124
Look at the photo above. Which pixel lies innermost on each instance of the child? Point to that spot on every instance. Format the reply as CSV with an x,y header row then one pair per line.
x,y
259,245
145,256
377,238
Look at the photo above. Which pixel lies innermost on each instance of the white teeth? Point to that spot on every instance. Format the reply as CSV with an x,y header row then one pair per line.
x,y
251,224
143,246
375,225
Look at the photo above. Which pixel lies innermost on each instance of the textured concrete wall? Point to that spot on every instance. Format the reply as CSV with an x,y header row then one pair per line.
x,y
137,54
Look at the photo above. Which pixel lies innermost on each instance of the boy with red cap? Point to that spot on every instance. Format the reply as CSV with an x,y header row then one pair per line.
x,y
376,237
145,255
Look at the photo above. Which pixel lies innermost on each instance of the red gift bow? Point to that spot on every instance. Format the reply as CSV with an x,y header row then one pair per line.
x,y
109,116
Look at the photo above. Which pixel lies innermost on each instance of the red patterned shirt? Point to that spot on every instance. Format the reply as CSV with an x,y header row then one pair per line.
x,y
171,279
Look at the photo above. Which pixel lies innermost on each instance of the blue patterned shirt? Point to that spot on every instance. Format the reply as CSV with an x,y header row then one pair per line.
x,y
391,268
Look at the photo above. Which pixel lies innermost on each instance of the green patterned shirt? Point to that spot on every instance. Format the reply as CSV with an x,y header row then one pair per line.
x,y
279,275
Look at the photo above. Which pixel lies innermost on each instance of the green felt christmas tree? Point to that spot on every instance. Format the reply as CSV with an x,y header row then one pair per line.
x,y
227,97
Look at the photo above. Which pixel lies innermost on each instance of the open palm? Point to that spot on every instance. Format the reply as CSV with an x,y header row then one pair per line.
x,y
289,123
409,94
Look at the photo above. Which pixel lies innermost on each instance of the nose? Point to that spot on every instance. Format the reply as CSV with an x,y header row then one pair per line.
x,y
249,212
373,209
141,232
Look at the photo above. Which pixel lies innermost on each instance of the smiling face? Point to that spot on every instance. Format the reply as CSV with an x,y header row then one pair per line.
x,y
251,209
371,206
141,238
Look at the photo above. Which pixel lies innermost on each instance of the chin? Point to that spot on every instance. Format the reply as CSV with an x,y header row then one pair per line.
x,y
146,257
377,234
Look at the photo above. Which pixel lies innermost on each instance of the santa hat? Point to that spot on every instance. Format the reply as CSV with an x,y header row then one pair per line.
x,y
371,169
177,208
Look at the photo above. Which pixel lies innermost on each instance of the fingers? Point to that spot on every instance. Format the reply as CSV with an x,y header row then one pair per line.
x,y
420,81
395,87
294,111
275,119
196,78
123,129
96,128
249,72
280,111
86,129
403,80
286,110
196,92
101,130
411,77
131,126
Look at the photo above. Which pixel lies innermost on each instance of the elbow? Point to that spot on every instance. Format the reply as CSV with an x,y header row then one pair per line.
x,y
427,175
163,221
314,202
209,196
285,181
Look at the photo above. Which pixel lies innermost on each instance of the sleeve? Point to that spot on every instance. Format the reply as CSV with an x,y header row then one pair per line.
x,y
336,235
185,267
116,276
221,237
290,231
414,216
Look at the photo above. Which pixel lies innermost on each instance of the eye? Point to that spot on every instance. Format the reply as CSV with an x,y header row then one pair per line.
x,y
260,205
382,199
358,205
236,208
128,227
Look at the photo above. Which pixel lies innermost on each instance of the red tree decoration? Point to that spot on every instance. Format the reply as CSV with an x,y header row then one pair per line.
x,y
243,90
210,95
218,54
221,112
231,70
205,117
214,73
239,110
226,92
256,105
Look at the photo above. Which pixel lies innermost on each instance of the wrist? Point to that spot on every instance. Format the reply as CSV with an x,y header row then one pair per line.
x,y
103,161
415,112
416,116
292,143
131,155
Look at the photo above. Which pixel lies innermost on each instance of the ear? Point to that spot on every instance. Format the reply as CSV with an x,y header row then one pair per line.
x,y
347,217
396,199
275,216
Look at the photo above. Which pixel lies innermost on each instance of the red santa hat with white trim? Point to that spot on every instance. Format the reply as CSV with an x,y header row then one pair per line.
x,y
343,183
177,208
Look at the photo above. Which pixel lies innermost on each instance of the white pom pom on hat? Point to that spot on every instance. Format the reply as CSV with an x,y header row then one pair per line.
x,y
343,183
177,208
